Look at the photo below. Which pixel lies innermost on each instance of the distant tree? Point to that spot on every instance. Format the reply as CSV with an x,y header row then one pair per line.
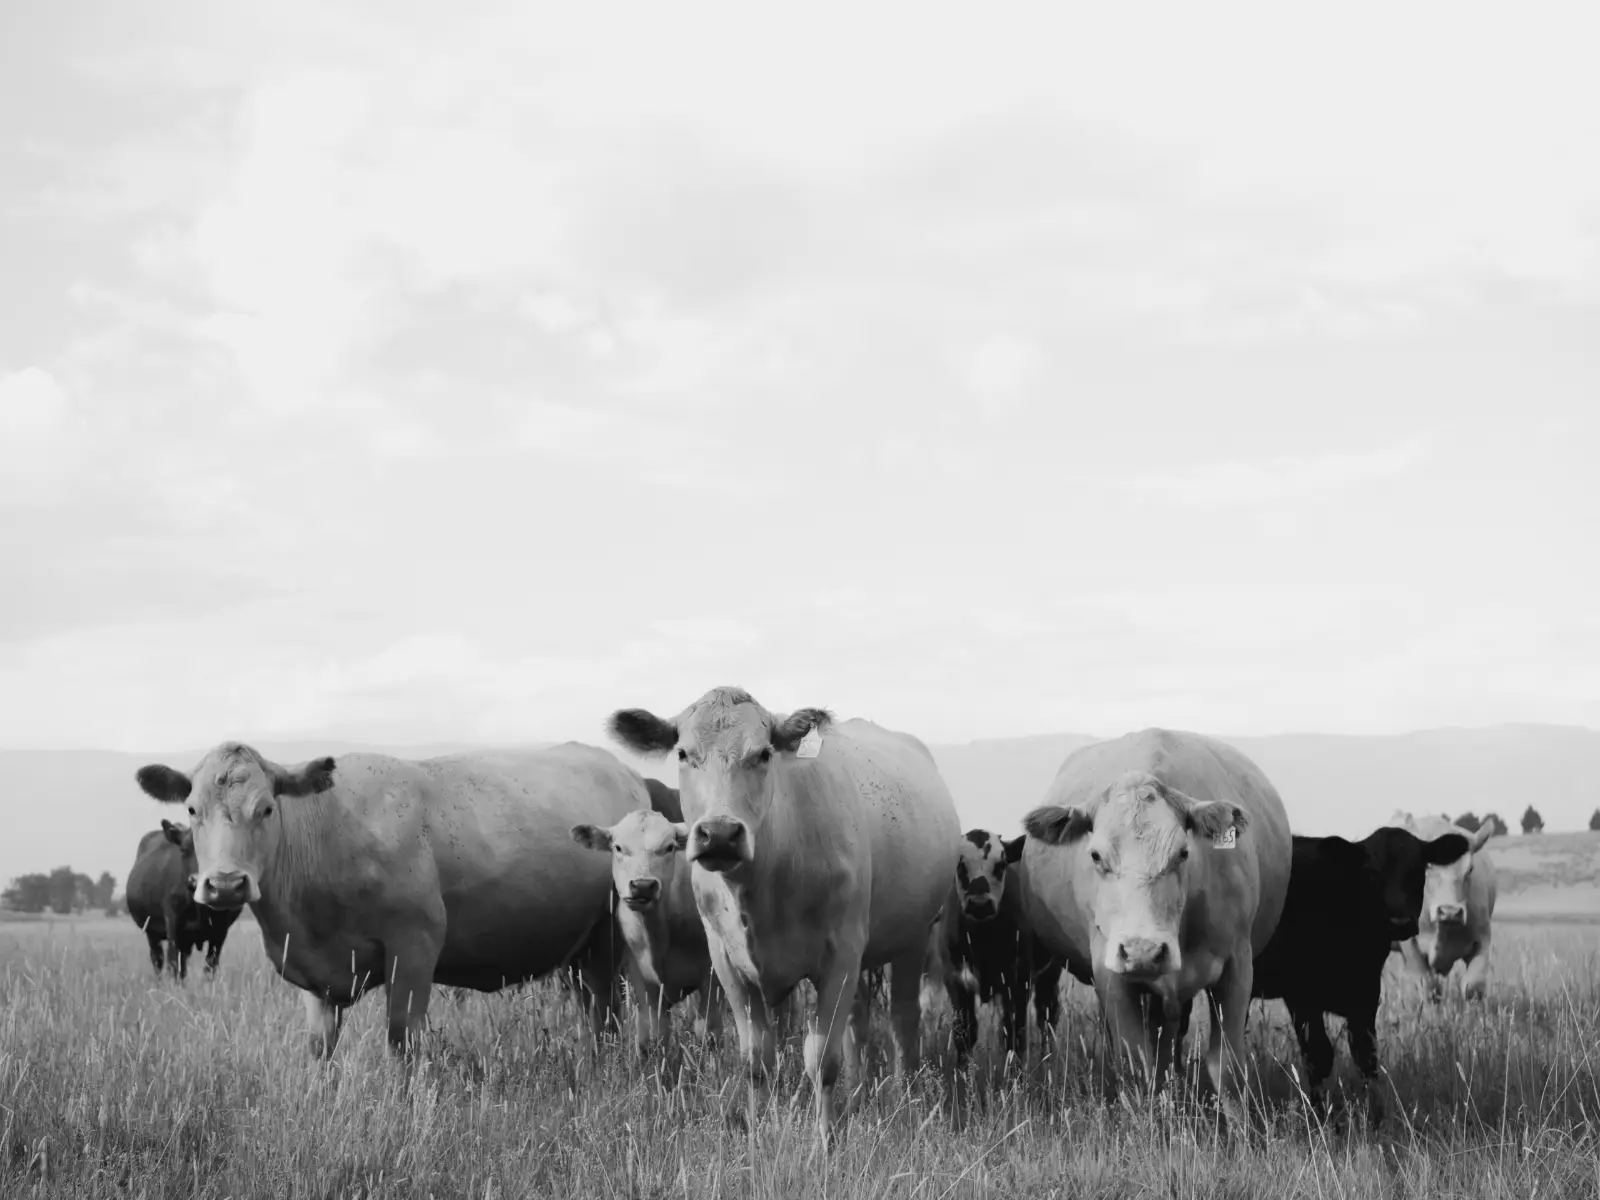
x,y
1532,822
27,893
1594,820
64,889
1499,827
1469,822
104,889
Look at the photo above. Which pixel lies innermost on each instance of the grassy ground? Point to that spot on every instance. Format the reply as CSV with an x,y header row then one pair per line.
x,y
112,1084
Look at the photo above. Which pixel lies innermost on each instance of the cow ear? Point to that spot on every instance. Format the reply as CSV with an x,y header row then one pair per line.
x,y
642,732
163,783
174,832
1484,833
788,733
1014,848
592,837
1056,824
1213,818
680,835
305,780
1445,849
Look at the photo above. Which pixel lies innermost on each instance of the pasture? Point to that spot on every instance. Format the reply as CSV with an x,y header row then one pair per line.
x,y
115,1084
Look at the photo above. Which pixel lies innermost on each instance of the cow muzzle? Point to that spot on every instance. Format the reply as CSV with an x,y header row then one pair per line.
x,y
719,843
1450,914
642,893
224,889
1143,957
978,908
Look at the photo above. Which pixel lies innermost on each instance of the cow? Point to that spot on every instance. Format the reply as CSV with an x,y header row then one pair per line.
x,y
1457,910
457,871
664,799
1161,859
160,899
1347,902
819,849
658,917
987,950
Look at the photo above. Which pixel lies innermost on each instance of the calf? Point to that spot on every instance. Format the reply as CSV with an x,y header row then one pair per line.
x,y
658,917
160,899
1347,902
986,947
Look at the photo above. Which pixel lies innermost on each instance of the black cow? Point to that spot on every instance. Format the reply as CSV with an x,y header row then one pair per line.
x,y
987,949
160,899
1348,903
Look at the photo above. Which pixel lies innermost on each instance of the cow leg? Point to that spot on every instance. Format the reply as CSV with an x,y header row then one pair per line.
x,y
408,974
710,1001
1417,962
905,1010
1225,1058
1363,1027
1120,1008
323,1020
158,953
1476,983
825,1038
213,955
1316,1050
1047,997
964,1019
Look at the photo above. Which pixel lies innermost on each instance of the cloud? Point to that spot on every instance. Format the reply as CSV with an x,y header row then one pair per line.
x,y
1283,479
997,368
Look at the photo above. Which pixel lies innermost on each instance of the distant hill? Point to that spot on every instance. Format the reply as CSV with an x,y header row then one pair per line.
x,y
83,808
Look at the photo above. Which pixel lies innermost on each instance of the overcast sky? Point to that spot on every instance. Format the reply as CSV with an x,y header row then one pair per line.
x,y
414,372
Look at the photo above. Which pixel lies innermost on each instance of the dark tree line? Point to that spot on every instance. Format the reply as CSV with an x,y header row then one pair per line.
x,y
61,891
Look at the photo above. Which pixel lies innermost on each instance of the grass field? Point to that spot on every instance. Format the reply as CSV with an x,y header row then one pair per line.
x,y
112,1084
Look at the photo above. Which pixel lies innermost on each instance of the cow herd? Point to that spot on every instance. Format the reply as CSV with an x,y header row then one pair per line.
x,y
797,848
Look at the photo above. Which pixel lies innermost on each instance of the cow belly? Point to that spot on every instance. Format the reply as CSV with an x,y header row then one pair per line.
x,y
511,936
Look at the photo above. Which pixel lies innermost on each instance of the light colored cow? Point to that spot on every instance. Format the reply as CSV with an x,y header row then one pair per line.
x,y
1457,910
1162,860
658,917
459,870
819,849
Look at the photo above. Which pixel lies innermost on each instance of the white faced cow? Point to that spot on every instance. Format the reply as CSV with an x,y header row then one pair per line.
x,y
658,917
457,870
1457,910
811,861
1162,859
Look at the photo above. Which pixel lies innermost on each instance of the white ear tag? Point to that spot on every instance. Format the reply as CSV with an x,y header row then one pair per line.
x,y
810,746
1226,839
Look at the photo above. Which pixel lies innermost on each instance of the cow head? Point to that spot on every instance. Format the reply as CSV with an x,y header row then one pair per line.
x,y
644,848
981,872
1395,863
181,837
1449,884
232,799
1139,835
728,748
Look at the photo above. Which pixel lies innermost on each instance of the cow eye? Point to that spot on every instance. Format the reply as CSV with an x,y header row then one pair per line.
x,y
266,810
1094,857
191,810
683,755
1183,855
765,756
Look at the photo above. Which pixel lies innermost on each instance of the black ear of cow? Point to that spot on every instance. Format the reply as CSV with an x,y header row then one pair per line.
x,y
174,832
163,783
788,733
642,731
1445,849
1014,848
305,780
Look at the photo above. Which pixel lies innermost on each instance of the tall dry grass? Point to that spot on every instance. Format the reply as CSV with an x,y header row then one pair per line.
x,y
114,1084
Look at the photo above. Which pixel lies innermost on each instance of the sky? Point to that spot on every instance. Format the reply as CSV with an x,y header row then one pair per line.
x,y
413,373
